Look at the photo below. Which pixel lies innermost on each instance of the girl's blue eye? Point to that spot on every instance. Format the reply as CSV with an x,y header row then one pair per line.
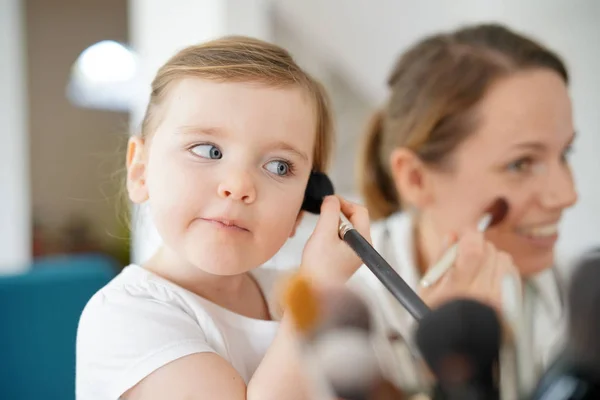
x,y
280,168
207,151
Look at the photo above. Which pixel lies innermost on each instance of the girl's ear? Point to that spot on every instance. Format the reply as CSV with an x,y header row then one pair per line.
x,y
136,170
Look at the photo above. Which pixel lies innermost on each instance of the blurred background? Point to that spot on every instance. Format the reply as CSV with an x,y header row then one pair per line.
x,y
74,81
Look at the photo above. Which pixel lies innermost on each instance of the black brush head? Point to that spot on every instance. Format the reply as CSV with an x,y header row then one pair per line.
x,y
460,341
319,186
584,310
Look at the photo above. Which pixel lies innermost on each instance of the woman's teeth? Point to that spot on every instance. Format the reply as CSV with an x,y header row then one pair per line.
x,y
541,231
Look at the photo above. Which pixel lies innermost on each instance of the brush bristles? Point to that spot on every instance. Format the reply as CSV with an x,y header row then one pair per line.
x,y
319,186
302,304
498,210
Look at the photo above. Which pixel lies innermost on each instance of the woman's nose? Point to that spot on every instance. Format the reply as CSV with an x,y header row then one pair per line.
x,y
559,191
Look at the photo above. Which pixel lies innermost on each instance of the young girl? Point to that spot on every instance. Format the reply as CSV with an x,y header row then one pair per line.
x,y
232,131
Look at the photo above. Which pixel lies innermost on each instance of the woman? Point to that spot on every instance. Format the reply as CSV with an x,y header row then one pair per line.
x,y
472,115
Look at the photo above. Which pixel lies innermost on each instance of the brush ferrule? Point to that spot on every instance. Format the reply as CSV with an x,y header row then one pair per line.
x,y
484,222
345,226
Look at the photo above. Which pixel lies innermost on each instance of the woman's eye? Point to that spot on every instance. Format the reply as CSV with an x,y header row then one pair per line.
x,y
207,151
280,168
521,165
565,155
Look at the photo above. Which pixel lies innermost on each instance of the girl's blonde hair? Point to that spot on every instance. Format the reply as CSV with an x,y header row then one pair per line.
x,y
244,59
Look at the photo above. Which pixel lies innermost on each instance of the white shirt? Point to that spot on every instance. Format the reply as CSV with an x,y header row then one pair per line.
x,y
393,238
140,322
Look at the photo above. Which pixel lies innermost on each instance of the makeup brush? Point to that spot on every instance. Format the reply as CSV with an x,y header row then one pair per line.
x,y
575,373
460,342
319,186
338,346
494,215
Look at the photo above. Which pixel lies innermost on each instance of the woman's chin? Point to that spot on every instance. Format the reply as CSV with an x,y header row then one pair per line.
x,y
531,265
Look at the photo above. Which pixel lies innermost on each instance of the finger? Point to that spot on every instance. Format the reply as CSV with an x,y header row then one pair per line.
x,y
438,294
511,292
357,215
448,240
486,273
485,284
445,261
329,218
506,267
470,256
443,290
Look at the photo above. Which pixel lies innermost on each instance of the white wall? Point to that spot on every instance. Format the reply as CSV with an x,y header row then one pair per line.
x,y
362,38
15,230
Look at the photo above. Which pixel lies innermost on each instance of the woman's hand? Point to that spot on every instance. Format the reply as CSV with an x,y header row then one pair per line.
x,y
326,257
477,273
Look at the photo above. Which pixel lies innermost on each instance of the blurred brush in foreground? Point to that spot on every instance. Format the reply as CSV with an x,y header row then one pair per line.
x,y
575,375
337,333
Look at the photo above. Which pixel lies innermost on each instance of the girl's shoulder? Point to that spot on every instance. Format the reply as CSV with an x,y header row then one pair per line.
x,y
131,327
136,285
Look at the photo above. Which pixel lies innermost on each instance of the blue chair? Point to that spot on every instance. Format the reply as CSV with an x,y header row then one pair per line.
x,y
39,313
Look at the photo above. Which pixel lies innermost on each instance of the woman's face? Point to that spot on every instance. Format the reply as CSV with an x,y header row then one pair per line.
x,y
519,151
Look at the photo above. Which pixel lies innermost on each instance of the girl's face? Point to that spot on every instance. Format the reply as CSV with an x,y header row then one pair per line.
x,y
225,171
519,151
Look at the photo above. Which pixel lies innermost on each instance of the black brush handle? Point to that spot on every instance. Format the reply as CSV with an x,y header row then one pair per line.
x,y
386,274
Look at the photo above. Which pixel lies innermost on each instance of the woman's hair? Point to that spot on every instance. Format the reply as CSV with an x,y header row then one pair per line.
x,y
434,89
243,59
